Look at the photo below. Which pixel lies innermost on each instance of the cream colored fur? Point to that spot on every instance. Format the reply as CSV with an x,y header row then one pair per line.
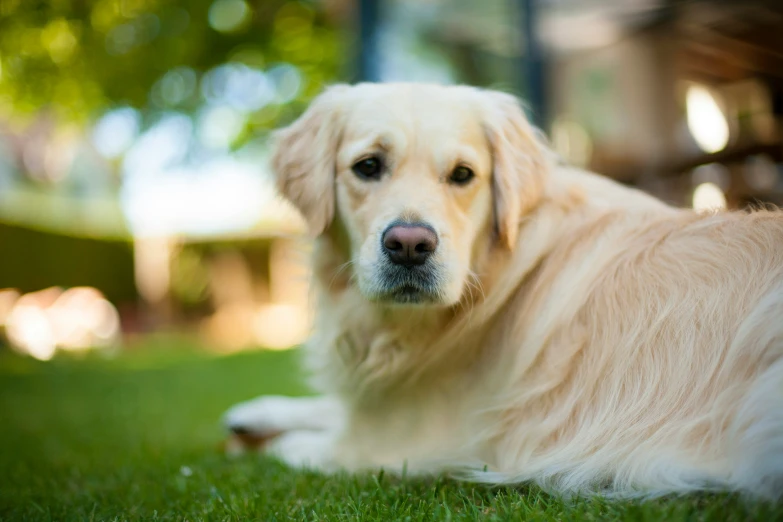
x,y
588,338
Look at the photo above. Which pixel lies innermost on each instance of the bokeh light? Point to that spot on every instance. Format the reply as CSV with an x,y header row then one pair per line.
x,y
708,197
218,127
229,16
116,131
76,319
218,196
239,86
175,87
706,119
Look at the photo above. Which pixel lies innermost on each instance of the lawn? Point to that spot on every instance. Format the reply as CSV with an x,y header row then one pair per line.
x,y
137,438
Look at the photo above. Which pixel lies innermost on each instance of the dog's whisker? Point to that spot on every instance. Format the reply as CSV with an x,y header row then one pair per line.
x,y
340,269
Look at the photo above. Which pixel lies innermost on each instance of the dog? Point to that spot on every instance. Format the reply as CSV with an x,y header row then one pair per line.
x,y
487,312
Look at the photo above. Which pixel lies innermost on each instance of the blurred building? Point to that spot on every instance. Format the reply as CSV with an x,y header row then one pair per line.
x,y
664,95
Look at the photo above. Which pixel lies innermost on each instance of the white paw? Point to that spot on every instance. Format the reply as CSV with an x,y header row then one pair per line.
x,y
304,449
265,416
271,415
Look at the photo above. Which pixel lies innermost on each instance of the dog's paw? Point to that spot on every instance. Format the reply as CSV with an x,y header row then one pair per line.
x,y
273,414
304,449
255,423
258,419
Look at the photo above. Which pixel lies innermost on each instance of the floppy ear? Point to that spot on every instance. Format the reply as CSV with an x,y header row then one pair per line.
x,y
519,164
305,155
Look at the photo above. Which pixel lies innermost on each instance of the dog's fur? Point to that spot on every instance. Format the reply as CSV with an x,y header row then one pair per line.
x,y
572,332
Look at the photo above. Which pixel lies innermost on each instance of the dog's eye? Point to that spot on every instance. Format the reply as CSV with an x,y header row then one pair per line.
x,y
461,175
368,168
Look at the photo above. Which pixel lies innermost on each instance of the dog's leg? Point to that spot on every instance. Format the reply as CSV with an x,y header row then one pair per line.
x,y
256,422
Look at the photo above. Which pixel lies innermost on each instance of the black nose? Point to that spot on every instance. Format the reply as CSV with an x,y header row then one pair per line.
x,y
409,245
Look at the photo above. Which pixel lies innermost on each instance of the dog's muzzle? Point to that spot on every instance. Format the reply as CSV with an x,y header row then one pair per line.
x,y
409,275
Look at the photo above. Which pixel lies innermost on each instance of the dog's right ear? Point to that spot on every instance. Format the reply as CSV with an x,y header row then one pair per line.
x,y
305,156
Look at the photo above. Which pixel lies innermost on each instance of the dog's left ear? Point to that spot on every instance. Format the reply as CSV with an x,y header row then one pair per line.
x,y
519,163
305,155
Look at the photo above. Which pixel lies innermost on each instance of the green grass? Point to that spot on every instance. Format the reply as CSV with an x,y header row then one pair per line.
x,y
136,438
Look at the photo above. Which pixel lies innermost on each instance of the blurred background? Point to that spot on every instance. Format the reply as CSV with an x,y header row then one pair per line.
x,y
135,195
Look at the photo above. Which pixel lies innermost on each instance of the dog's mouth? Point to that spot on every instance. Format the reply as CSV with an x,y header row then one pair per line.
x,y
408,286
410,295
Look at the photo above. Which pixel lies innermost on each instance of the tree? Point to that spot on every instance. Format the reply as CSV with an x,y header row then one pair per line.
x,y
78,58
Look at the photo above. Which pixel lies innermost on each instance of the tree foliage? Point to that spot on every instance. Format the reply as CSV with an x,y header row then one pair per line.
x,y
77,58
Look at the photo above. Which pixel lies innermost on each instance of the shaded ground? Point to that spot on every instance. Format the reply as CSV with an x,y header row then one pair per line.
x,y
136,438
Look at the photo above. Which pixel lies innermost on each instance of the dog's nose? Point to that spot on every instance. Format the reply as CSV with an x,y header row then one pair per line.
x,y
409,245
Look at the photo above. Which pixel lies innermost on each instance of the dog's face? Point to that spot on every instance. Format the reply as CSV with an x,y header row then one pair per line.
x,y
422,178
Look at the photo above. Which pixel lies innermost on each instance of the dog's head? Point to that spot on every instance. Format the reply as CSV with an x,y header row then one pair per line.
x,y
422,179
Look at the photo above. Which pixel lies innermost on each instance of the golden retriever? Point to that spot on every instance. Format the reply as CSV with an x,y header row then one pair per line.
x,y
487,312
